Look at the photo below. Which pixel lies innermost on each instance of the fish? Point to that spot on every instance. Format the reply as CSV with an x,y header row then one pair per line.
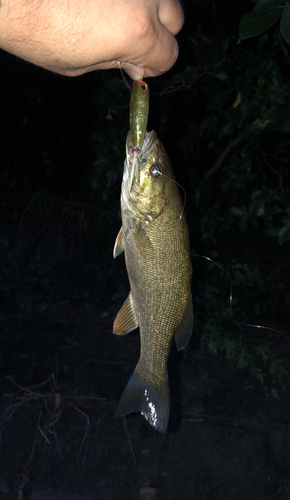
x,y
139,110
154,238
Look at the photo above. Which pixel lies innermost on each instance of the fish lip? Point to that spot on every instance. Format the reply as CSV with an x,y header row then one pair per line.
x,y
146,151
149,143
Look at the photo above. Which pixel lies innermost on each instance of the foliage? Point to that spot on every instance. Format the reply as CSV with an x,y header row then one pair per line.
x,y
224,115
246,101
230,327
263,16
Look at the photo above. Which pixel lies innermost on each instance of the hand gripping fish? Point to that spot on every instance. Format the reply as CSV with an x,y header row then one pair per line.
x,y
154,237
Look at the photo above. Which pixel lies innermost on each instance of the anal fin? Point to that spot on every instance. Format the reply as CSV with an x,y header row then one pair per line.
x,y
125,320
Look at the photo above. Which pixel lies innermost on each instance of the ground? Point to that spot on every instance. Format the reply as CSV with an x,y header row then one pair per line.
x,y
63,371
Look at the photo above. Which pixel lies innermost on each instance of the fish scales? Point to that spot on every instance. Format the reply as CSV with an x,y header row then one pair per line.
x,y
154,237
157,283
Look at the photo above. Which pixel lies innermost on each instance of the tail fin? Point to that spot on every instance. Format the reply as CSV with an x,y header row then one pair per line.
x,y
152,402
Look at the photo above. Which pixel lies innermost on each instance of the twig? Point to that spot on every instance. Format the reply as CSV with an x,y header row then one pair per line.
x,y
87,397
182,87
129,439
85,436
34,441
59,450
43,435
221,158
7,414
281,44
29,387
272,168
48,418
231,422
102,416
50,481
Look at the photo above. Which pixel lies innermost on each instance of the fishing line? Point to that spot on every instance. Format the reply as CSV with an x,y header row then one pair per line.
x,y
124,76
181,214
231,300
229,276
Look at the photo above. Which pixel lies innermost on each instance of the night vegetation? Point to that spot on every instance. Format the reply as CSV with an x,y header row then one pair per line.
x,y
223,114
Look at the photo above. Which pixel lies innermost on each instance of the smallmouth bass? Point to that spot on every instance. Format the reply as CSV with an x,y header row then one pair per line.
x,y
154,237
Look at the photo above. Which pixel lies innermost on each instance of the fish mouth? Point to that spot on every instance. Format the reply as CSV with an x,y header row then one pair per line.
x,y
135,160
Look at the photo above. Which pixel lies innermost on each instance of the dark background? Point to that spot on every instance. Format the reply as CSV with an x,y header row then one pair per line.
x,y
62,154
223,115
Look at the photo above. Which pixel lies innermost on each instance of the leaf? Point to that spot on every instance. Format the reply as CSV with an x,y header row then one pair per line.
x,y
219,100
261,18
228,128
272,231
221,75
274,210
256,195
260,125
208,125
237,100
284,234
261,81
285,22
237,211
254,218
261,4
282,117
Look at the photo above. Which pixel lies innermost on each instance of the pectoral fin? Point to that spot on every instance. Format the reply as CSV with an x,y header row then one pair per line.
x,y
184,331
125,320
119,244
142,241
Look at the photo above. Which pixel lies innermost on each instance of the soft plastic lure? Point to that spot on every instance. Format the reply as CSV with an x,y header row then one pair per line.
x,y
139,109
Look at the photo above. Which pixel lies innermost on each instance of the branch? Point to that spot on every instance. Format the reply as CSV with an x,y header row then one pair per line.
x,y
182,86
221,157
281,44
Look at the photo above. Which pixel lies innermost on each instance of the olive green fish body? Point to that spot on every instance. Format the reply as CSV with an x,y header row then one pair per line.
x,y
154,236
139,109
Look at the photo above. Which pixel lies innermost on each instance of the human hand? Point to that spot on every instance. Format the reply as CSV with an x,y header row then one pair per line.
x,y
72,38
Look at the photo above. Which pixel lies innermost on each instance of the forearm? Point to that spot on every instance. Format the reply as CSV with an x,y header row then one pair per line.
x,y
72,37
43,32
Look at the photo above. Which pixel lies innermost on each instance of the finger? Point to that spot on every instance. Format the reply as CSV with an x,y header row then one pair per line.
x,y
159,60
138,73
171,15
162,54
134,72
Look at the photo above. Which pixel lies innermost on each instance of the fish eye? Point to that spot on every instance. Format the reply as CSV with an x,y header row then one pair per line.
x,y
143,87
155,171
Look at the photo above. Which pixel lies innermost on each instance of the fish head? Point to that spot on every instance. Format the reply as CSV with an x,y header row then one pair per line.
x,y
147,178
